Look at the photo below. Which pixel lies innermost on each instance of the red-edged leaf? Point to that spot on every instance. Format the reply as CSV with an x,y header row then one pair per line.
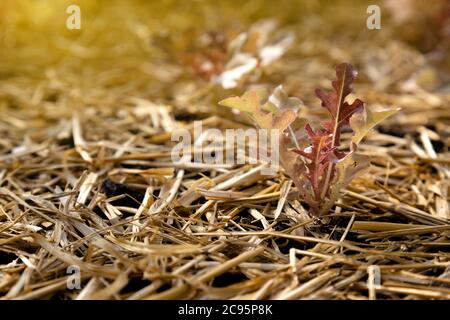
x,y
323,155
335,103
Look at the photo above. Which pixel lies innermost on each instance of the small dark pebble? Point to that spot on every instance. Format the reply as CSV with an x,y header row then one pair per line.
x,y
133,197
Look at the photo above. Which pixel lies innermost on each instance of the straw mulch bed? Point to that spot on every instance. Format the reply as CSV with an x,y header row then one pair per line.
x,y
86,180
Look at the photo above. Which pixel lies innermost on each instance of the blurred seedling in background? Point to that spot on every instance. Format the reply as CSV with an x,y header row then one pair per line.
x,y
229,63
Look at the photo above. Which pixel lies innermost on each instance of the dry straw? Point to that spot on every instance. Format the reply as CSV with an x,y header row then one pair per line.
x,y
86,177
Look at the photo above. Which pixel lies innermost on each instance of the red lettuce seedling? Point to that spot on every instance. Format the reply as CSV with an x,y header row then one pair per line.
x,y
320,170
